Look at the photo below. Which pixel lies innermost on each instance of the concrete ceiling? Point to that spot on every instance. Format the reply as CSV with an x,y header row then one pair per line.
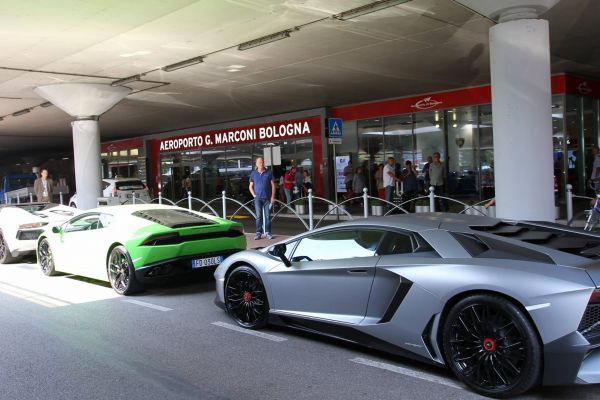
x,y
416,47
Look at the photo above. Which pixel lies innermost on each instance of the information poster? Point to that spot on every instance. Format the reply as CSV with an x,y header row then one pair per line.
x,y
341,162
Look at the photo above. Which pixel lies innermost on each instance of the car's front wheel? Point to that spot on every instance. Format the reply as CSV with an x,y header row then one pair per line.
x,y
5,256
45,257
121,272
246,298
491,346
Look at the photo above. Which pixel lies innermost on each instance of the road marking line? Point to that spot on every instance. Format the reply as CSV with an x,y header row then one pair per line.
x,y
149,305
31,296
249,331
408,372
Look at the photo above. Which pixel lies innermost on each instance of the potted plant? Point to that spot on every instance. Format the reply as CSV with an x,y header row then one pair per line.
x,y
422,205
301,204
376,207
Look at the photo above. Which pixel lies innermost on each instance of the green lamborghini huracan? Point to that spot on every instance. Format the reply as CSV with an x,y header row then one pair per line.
x,y
132,244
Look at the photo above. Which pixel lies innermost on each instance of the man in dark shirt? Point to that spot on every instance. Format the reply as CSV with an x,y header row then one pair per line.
x,y
262,188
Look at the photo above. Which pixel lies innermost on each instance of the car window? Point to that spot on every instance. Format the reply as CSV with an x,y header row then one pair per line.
x,y
83,223
395,243
338,244
105,220
130,185
105,185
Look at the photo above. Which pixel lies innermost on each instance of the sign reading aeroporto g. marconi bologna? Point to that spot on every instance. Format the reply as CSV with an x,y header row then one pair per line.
x,y
270,131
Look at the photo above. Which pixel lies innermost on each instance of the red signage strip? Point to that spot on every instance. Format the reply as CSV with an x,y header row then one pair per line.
x,y
280,130
435,101
127,144
560,84
582,87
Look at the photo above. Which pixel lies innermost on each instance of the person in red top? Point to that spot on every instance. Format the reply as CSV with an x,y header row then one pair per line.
x,y
288,183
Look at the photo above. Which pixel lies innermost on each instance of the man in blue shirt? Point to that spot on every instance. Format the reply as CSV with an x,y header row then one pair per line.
x,y
262,188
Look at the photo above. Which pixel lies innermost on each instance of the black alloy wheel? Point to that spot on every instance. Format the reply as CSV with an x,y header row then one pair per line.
x,y
45,257
5,256
246,299
121,272
491,346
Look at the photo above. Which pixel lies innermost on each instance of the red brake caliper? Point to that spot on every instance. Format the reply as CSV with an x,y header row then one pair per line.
x,y
489,345
247,297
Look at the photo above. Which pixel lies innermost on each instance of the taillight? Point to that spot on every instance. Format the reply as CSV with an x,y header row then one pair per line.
x,y
162,239
238,228
595,297
33,225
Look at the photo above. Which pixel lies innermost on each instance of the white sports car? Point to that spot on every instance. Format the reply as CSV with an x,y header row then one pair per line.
x,y
21,224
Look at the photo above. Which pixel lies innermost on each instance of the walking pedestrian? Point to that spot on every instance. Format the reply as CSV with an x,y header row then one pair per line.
x,y
262,188
43,187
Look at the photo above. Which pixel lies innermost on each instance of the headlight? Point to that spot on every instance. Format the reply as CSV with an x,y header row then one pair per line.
x,y
32,225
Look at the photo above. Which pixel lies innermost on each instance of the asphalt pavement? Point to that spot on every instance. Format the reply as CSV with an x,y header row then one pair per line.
x,y
68,338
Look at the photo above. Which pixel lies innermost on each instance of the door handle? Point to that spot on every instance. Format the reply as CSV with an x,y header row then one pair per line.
x,y
357,271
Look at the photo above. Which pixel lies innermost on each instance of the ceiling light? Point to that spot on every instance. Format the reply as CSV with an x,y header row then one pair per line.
x,y
368,8
265,39
237,66
183,64
46,104
233,70
21,112
121,82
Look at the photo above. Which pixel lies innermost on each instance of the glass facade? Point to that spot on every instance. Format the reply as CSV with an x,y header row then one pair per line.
x,y
227,168
464,138
127,163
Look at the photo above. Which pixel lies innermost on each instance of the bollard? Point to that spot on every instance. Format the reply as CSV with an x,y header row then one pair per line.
x,y
159,197
133,197
225,205
18,199
190,200
60,195
569,203
365,202
431,199
310,210
31,197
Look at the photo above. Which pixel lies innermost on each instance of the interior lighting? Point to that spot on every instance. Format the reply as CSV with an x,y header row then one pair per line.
x,y
21,112
183,64
121,82
265,39
46,104
367,9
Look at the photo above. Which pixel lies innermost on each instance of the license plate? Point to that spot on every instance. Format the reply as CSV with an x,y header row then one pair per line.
x,y
206,262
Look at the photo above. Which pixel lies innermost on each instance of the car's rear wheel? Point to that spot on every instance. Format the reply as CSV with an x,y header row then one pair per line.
x,y
5,256
246,298
121,273
491,346
45,257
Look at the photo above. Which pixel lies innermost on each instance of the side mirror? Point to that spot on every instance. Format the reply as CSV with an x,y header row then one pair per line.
x,y
279,251
56,229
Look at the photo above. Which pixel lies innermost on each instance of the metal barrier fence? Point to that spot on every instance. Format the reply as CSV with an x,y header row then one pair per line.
x,y
303,208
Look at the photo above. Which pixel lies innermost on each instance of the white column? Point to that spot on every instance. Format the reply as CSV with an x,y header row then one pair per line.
x,y
85,102
88,174
522,118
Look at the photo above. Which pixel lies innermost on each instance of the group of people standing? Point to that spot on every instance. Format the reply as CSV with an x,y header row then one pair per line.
x,y
389,176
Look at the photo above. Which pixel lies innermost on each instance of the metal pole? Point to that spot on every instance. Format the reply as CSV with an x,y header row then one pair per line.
x,y
189,200
224,204
30,197
60,195
310,210
431,198
159,197
18,199
365,202
5,198
264,226
335,178
569,203
133,197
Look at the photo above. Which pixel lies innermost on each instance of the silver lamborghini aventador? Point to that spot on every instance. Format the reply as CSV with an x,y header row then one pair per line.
x,y
505,305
